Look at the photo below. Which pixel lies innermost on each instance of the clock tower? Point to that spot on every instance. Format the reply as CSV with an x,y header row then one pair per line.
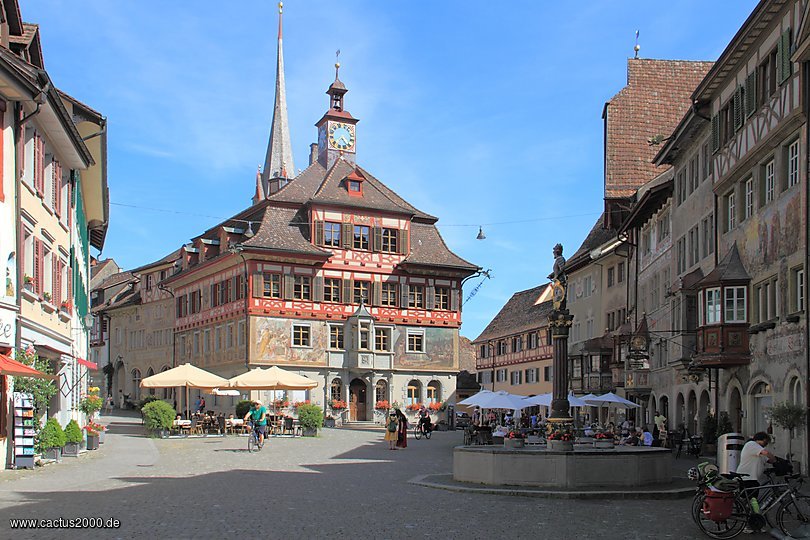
x,y
337,133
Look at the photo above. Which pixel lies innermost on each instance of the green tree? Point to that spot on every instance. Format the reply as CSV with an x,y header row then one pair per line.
x,y
41,389
789,416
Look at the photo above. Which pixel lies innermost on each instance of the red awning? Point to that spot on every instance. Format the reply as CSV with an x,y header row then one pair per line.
x,y
87,363
18,369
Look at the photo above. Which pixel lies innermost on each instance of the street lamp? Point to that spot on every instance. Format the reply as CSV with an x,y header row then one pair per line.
x,y
238,249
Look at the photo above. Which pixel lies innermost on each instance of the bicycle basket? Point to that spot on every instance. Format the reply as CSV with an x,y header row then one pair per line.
x,y
718,505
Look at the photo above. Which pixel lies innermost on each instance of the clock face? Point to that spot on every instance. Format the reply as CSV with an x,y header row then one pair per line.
x,y
341,136
639,342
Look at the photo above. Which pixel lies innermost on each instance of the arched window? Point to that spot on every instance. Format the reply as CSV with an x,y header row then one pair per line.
x,y
336,389
380,391
149,373
414,392
136,384
434,392
166,391
794,391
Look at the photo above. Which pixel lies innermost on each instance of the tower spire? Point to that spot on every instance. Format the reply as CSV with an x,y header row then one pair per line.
x,y
279,158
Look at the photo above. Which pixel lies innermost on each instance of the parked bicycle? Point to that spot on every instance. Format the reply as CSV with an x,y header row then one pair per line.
x,y
723,507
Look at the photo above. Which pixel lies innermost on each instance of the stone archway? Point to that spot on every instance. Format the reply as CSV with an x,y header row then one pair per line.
x,y
735,409
691,413
663,408
680,411
358,400
703,409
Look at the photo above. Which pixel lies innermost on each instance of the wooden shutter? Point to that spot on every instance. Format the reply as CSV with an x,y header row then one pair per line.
x,y
454,303
430,297
56,281
69,188
206,299
318,233
376,239
783,64
212,294
374,293
38,181
37,266
751,94
289,284
236,294
55,185
346,231
70,285
403,295
258,286
318,289
738,108
402,242
348,291
715,133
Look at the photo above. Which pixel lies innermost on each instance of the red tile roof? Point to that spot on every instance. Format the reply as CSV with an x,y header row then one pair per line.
x,y
657,95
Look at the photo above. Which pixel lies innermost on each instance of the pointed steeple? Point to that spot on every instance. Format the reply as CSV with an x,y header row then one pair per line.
x,y
261,193
278,162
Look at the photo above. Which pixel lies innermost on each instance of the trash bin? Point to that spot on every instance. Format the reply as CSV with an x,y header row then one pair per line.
x,y
729,447
451,417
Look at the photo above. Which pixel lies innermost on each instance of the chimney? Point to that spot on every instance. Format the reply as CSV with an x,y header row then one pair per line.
x,y
313,153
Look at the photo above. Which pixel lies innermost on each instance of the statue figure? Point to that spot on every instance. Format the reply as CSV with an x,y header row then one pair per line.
x,y
558,272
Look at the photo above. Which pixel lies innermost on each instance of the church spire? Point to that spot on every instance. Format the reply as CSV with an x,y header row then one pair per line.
x,y
278,162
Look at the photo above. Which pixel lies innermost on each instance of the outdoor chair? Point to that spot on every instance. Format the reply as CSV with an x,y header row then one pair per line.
x,y
676,443
288,426
195,426
221,425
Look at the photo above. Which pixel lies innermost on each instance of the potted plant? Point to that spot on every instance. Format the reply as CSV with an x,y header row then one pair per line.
x,y
709,433
789,416
51,439
91,403
382,405
94,431
338,405
65,306
28,282
102,430
603,440
311,418
561,439
297,404
514,439
73,439
414,406
158,417
328,421
434,406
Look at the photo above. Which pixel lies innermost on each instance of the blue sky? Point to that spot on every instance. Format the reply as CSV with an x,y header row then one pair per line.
x,y
476,112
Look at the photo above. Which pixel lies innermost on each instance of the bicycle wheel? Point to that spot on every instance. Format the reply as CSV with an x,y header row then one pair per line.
x,y
793,516
729,528
253,443
428,431
417,432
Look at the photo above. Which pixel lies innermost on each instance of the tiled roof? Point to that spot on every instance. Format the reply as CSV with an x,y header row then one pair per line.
x,y
428,248
99,267
116,279
729,269
284,229
657,95
598,236
173,256
521,313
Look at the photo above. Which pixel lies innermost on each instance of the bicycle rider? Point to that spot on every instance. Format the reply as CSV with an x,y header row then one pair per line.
x,y
424,419
258,416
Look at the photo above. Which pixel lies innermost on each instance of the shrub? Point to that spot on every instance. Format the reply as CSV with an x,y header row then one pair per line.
x,y
147,400
51,435
724,424
42,389
709,429
789,416
310,416
73,433
158,415
242,408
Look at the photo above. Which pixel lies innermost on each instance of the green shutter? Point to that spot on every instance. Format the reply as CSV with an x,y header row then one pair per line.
x,y
751,94
348,291
738,108
715,133
318,233
783,64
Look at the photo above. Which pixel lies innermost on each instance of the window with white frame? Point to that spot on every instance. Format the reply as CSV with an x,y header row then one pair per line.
x,y
229,336
587,286
713,305
364,335
217,338
416,341
301,335
797,289
793,163
769,178
749,198
240,334
47,272
694,246
663,226
206,337
516,377
731,211
766,298
736,307
531,375
500,375
196,344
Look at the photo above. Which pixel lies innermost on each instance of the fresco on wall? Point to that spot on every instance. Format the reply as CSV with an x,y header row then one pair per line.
x,y
272,338
440,344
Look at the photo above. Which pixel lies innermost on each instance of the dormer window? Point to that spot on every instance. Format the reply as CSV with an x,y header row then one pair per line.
x,y
355,186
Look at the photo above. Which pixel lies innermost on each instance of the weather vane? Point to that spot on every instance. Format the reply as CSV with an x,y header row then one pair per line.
x,y
337,62
637,47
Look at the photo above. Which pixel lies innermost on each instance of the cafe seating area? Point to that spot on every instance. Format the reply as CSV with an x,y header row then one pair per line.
x,y
211,424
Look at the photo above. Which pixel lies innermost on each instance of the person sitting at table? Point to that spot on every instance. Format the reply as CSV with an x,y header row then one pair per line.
x,y
533,420
631,440
646,437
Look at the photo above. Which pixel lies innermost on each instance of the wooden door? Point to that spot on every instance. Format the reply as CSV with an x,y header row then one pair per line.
x,y
357,400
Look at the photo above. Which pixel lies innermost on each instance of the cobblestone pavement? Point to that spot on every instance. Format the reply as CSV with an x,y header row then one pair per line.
x,y
343,484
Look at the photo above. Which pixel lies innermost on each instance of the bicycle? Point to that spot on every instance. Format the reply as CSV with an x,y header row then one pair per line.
x,y
751,506
253,440
422,428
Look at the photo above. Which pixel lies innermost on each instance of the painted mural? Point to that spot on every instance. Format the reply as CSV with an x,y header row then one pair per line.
x,y
438,355
272,338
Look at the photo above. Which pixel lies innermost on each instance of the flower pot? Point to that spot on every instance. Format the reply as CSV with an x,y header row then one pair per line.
x,y
71,449
329,422
92,442
101,435
603,443
309,432
514,443
561,446
53,453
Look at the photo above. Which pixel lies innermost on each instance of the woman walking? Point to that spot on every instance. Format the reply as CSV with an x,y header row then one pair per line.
x,y
391,428
402,432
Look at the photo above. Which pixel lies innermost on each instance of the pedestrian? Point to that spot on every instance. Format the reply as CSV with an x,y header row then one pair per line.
x,y
108,404
202,405
391,429
533,419
476,417
198,404
402,430
120,399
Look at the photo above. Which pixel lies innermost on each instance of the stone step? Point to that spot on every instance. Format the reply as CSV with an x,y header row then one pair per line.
x,y
362,424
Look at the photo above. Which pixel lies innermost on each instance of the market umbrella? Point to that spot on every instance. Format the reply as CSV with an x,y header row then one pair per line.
x,y
274,378
226,392
544,400
18,369
476,399
187,375
610,398
503,400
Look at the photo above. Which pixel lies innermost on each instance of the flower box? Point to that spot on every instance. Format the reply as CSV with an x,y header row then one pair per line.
x,y
101,435
603,443
47,306
561,446
71,449
92,442
514,443
53,453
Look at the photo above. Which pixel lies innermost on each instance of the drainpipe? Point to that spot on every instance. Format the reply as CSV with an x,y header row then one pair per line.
x,y
806,76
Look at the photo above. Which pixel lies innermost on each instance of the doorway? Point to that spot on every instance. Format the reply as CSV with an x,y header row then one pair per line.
x,y
357,400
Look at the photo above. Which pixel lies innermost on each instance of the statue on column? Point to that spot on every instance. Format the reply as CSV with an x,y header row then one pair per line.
x,y
559,279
